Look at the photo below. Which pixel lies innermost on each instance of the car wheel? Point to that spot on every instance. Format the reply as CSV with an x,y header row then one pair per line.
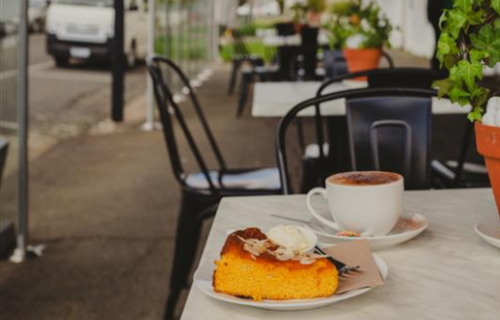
x,y
61,61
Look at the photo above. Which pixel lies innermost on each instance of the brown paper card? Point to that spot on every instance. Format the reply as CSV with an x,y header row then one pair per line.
x,y
356,253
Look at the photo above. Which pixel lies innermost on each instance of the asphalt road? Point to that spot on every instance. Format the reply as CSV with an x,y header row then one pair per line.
x,y
63,102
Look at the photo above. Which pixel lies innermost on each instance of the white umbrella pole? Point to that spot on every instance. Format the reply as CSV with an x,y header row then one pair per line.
x,y
150,124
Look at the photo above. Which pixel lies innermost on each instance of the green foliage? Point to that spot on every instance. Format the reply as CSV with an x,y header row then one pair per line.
x,y
249,29
255,47
470,40
299,12
317,6
352,18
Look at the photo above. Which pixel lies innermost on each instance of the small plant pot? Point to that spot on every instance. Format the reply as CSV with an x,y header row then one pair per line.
x,y
488,145
361,60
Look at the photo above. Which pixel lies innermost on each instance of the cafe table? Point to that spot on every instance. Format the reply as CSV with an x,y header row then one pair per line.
x,y
275,99
447,272
293,40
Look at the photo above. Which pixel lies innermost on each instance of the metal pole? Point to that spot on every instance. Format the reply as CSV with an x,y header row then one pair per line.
x,y
150,111
22,238
117,102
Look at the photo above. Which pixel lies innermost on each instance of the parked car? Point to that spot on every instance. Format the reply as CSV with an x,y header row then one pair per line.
x,y
37,13
84,30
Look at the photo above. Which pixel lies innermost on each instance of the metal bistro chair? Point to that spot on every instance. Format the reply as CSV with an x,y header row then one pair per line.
x,y
376,78
242,55
456,173
388,129
201,191
256,71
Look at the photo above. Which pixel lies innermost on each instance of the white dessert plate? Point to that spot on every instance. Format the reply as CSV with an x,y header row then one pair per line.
x,y
489,230
203,281
408,227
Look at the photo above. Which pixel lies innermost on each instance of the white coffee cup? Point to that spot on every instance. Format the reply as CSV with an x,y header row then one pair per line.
x,y
367,202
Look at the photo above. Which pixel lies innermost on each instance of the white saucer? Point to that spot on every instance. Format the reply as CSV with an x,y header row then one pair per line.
x,y
489,230
408,227
203,281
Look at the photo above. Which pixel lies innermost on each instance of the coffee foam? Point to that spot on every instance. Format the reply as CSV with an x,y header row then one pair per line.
x,y
364,178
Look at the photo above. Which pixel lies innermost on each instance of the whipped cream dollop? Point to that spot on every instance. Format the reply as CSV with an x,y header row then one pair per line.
x,y
492,115
290,237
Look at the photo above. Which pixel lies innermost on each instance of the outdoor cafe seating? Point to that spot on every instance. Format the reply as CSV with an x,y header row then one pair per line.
x,y
388,128
253,159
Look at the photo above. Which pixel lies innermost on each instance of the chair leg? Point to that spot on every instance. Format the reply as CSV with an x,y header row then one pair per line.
x,y
233,79
186,242
244,91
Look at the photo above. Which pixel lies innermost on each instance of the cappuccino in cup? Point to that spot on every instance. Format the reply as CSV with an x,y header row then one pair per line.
x,y
367,202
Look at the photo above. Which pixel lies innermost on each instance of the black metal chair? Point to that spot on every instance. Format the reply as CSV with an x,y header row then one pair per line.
x,y
202,190
241,56
376,78
257,70
374,110
392,133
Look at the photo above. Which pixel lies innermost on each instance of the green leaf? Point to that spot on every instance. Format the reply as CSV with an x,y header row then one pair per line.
x,y
446,47
443,19
477,55
442,86
495,4
479,96
476,17
454,77
455,21
488,40
476,114
496,24
465,5
469,72
459,95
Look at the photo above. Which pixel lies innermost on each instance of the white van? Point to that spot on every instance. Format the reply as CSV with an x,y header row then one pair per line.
x,y
83,29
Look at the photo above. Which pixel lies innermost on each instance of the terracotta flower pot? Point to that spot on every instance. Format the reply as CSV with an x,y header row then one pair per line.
x,y
362,59
488,145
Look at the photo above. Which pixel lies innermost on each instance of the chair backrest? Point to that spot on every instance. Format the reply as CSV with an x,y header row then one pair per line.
x,y
404,77
169,111
4,148
355,98
391,133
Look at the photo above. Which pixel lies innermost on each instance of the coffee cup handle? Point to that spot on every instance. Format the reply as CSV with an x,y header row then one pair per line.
x,y
329,223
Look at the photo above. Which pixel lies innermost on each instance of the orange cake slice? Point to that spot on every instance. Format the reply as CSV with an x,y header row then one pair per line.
x,y
252,267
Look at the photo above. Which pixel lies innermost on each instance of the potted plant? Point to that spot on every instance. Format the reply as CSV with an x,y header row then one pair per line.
x,y
314,10
469,41
361,31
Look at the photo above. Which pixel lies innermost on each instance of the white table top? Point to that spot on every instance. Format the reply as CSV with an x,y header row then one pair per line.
x,y
447,272
295,40
275,99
